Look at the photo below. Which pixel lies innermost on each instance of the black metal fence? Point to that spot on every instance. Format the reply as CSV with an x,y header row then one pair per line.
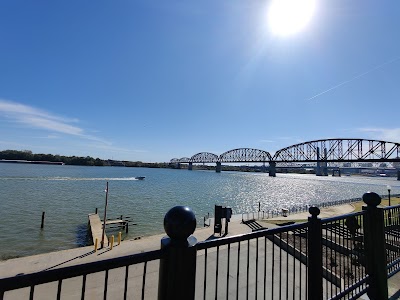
x,y
122,277
343,256
266,264
272,213
392,238
336,258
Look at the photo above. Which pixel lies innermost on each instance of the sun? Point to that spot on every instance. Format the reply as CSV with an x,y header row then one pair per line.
x,y
287,17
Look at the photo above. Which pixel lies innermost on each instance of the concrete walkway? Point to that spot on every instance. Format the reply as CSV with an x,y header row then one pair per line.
x,y
326,212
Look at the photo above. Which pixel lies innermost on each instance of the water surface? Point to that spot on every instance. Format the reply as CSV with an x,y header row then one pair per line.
x,y
69,193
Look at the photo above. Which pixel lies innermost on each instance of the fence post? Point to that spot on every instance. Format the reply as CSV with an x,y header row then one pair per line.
x,y
375,247
178,266
314,257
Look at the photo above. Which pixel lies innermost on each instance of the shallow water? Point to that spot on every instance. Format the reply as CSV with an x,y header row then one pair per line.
x,y
69,193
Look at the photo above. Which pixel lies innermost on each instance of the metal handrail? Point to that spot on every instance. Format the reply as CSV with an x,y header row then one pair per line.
x,y
248,236
342,217
394,263
27,280
391,207
351,288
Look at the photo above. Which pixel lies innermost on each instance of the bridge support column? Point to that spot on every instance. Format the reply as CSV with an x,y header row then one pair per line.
x,y
190,167
398,174
318,169
178,166
272,169
325,164
218,167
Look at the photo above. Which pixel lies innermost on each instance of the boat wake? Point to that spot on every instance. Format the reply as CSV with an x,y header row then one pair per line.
x,y
93,179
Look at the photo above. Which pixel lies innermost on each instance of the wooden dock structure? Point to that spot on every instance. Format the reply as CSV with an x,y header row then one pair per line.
x,y
120,222
96,229
117,221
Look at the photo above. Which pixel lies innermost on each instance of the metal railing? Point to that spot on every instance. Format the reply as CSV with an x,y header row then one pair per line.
x,y
343,256
82,281
392,238
272,213
335,258
262,264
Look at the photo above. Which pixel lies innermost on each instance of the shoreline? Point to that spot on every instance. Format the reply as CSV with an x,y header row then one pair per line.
x,y
328,210
34,162
75,256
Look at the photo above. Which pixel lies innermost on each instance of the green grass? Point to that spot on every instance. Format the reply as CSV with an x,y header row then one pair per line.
x,y
385,202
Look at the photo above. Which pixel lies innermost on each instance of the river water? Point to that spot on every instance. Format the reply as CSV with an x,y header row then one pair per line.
x,y
67,194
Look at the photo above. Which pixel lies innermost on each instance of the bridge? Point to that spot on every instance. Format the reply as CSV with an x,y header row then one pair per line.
x,y
321,152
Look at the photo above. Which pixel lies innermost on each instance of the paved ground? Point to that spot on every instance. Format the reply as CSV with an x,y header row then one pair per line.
x,y
326,212
59,259
35,263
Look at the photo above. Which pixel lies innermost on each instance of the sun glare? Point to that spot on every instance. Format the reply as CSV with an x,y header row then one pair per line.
x,y
287,17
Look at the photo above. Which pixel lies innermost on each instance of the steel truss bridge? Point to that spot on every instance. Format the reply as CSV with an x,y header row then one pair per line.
x,y
321,152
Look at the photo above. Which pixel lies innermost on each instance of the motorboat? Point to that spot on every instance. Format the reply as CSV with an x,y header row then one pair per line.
x,y
140,177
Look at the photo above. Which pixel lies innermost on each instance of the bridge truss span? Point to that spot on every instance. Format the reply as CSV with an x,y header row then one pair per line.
x,y
245,155
340,150
204,157
184,160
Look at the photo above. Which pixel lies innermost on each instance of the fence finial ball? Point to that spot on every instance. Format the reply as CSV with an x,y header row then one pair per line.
x,y
179,222
372,199
314,211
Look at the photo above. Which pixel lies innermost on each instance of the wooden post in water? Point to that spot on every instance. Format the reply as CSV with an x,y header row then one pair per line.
x,y
42,224
112,242
105,218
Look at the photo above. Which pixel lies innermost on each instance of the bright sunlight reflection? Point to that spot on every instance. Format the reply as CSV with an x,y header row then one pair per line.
x,y
286,17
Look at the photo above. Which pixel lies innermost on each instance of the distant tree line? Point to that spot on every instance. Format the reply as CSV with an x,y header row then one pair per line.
x,y
75,160
147,165
68,160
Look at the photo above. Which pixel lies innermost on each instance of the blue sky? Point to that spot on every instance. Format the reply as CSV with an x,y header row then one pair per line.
x,y
154,80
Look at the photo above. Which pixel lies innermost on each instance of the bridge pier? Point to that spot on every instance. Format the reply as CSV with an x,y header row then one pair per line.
x,y
398,174
190,167
318,169
325,169
218,167
272,169
325,164
322,166
178,166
